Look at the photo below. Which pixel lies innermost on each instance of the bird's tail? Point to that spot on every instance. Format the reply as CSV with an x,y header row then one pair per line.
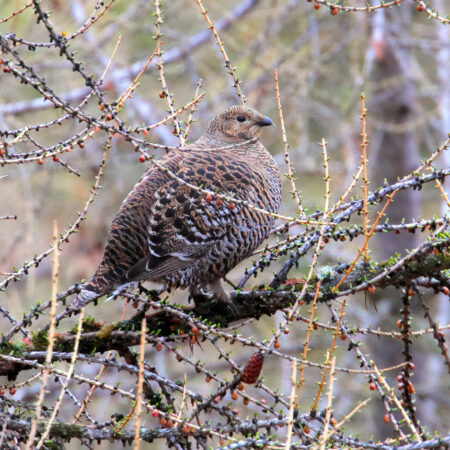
x,y
102,282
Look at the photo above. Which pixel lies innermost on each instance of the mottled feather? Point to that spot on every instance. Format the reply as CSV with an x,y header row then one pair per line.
x,y
168,232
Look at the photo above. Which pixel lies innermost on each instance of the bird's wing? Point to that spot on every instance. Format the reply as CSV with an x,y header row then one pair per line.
x,y
156,267
184,223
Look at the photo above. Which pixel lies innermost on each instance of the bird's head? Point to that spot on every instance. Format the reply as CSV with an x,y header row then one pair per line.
x,y
237,124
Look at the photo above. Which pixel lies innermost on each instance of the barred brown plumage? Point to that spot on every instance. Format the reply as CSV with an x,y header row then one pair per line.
x,y
170,232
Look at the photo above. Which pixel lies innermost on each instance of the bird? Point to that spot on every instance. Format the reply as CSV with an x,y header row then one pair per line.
x,y
196,214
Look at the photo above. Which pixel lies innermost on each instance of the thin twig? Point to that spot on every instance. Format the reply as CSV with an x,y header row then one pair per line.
x,y
139,399
51,336
290,420
228,65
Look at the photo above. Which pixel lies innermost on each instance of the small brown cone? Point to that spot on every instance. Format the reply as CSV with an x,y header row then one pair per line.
x,y
253,368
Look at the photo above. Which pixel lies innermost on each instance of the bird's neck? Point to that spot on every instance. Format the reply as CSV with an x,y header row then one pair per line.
x,y
207,140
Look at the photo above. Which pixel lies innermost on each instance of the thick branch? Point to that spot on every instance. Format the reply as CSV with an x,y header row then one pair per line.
x,y
254,304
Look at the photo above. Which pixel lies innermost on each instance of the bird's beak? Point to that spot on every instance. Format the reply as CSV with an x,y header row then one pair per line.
x,y
264,122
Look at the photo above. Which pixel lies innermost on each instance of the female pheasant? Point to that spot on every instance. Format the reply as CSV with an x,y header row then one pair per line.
x,y
170,231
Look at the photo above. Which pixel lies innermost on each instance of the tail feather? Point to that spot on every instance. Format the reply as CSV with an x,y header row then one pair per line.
x,y
101,283
84,297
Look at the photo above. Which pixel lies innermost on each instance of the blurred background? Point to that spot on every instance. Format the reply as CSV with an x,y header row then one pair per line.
x,y
398,57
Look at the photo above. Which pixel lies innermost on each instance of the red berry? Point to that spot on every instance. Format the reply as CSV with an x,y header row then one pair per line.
x,y
55,158
6,69
12,390
286,331
333,11
155,413
276,344
234,395
208,197
420,6
158,346
317,6
108,117
386,418
142,158
40,161
372,386
445,290
371,289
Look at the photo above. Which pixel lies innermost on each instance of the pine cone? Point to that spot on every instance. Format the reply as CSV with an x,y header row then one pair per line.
x,y
253,368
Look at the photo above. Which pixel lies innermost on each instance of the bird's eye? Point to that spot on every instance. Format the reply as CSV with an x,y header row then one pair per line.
x,y
240,118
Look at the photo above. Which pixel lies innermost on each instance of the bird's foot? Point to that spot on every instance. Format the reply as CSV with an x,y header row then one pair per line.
x,y
217,292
